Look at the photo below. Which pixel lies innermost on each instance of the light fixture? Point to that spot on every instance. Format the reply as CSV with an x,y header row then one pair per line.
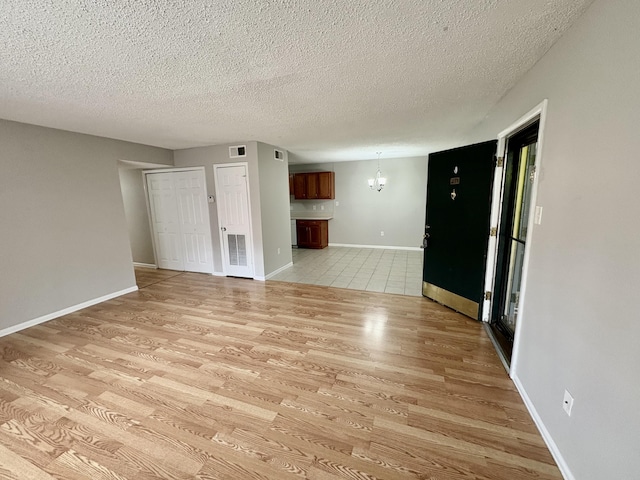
x,y
379,181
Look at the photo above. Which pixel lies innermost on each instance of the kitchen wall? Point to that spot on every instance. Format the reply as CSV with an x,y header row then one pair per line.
x,y
579,326
361,214
64,236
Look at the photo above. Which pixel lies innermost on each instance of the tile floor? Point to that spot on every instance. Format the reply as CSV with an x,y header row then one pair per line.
x,y
371,269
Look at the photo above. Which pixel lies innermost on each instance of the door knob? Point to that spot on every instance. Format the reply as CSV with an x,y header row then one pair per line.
x,y
425,238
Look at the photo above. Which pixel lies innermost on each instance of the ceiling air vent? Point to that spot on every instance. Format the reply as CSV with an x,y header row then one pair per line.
x,y
238,151
278,155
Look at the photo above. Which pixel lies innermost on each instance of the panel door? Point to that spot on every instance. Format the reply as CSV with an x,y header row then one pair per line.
x,y
165,221
459,187
191,195
234,217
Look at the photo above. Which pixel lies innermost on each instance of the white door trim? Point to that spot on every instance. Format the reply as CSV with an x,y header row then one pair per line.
x,y
537,113
216,166
146,196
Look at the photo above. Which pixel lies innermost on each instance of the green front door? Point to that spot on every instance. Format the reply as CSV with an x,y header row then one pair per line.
x,y
459,186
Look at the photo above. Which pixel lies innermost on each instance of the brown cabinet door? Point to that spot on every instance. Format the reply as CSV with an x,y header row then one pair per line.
x,y
300,186
315,235
312,233
312,185
291,190
309,186
302,232
326,185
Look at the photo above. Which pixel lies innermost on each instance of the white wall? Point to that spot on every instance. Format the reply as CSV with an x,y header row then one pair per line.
x,y
63,231
274,208
137,215
580,327
398,210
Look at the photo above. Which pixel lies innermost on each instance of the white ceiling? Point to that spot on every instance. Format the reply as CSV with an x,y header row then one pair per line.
x,y
325,79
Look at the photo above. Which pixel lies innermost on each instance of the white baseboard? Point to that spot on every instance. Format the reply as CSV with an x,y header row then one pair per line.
x,y
281,269
546,436
145,265
218,274
65,311
384,247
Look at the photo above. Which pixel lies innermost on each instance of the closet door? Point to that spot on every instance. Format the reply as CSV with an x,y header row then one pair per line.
x,y
193,210
165,221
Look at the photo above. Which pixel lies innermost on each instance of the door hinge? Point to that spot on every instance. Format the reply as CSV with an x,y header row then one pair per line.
x,y
493,232
487,295
499,161
532,175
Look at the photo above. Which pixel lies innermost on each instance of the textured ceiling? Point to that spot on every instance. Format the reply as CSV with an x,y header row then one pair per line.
x,y
325,79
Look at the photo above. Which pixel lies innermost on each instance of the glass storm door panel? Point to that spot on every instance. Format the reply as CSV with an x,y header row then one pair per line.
x,y
459,184
519,176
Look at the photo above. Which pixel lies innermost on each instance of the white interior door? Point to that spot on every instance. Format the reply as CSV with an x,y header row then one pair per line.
x,y
180,220
193,212
165,221
235,220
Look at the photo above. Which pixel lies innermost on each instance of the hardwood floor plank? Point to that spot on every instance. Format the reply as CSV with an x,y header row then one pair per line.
x,y
203,377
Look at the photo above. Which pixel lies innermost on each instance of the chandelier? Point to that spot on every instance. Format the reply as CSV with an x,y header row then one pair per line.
x,y
378,182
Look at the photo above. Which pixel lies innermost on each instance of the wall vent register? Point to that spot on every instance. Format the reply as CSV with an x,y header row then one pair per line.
x,y
238,151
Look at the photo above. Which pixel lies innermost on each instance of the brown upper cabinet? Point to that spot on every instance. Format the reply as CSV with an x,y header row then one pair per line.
x,y
314,186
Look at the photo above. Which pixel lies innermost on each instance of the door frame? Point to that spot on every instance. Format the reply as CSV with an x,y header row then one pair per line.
x,y
220,235
146,197
538,113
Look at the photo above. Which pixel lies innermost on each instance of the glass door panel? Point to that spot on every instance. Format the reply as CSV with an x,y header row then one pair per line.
x,y
519,176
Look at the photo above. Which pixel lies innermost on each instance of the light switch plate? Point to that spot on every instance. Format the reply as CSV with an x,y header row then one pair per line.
x,y
537,219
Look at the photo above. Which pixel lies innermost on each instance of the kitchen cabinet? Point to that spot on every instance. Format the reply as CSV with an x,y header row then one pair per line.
x,y
314,186
312,233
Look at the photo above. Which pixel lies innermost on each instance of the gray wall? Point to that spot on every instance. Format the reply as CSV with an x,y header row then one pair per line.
x,y
137,215
580,328
274,208
275,211
64,234
362,213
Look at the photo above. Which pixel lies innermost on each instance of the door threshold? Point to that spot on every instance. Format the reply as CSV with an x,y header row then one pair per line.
x,y
496,344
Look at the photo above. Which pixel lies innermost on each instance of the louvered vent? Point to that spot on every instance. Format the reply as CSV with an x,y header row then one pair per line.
x,y
238,151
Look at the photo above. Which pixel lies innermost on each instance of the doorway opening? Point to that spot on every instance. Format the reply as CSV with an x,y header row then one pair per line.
x,y
519,175
512,221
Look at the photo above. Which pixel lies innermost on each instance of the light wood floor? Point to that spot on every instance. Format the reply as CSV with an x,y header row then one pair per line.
x,y
199,377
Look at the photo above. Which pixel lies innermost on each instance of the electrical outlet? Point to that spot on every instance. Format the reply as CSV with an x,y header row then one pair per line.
x,y
278,251
314,207
567,402
337,203
321,207
382,233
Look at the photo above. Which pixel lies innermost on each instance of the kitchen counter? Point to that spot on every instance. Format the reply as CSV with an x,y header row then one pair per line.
x,y
310,216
